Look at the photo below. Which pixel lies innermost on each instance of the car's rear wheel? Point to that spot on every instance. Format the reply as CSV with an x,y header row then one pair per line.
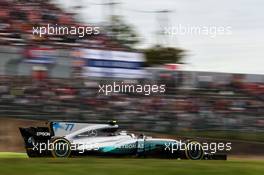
x,y
194,150
61,148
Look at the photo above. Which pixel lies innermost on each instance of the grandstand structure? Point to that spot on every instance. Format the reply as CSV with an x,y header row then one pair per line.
x,y
19,46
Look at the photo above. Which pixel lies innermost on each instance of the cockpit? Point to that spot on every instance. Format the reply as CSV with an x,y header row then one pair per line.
x,y
104,132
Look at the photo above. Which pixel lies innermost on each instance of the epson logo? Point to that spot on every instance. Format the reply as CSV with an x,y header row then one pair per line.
x,y
43,134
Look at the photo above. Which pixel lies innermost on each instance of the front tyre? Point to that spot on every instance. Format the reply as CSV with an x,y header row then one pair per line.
x,y
61,148
194,151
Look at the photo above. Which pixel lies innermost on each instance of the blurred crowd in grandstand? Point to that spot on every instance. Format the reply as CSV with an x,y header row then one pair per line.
x,y
18,17
233,107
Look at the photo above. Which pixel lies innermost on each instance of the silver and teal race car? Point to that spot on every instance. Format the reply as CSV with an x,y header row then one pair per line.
x,y
71,139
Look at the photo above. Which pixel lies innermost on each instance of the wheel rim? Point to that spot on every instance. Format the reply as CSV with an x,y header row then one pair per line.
x,y
194,151
61,148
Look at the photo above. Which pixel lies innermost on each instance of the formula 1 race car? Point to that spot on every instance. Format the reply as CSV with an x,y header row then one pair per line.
x,y
70,139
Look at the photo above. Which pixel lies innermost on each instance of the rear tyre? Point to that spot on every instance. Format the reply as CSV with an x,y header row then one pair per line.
x,y
194,150
61,148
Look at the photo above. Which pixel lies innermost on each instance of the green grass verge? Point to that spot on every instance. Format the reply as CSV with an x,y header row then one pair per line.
x,y
109,166
12,155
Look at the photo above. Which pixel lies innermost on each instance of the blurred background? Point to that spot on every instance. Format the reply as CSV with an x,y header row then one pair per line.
x,y
212,89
